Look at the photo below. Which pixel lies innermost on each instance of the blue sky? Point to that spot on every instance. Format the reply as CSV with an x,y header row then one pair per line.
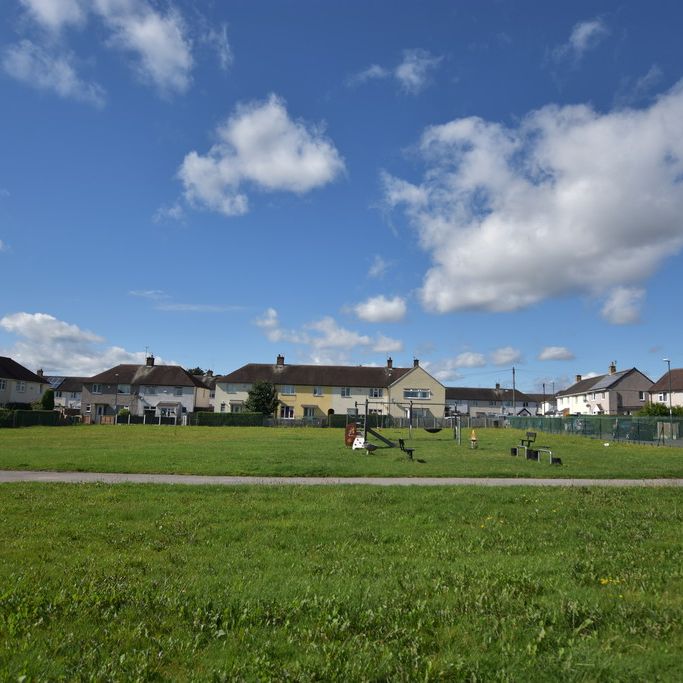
x,y
480,185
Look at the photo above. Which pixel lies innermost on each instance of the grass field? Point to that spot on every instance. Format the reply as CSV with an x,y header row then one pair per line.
x,y
131,582
317,452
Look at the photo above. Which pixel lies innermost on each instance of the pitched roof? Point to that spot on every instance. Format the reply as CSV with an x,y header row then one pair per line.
x,y
10,369
69,383
599,382
483,394
316,375
150,375
662,384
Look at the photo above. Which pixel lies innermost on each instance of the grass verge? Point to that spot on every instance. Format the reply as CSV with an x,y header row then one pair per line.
x,y
133,582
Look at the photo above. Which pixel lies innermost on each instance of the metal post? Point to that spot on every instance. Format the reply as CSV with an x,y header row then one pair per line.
x,y
514,398
671,412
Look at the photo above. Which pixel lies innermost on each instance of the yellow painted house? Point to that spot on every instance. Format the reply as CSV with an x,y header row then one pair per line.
x,y
317,391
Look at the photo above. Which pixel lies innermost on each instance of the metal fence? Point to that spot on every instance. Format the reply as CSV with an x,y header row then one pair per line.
x,y
654,430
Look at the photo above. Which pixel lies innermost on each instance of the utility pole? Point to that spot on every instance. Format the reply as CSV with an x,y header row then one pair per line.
x,y
514,396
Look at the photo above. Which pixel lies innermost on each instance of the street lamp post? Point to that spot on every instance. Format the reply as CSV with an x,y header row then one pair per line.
x,y
671,419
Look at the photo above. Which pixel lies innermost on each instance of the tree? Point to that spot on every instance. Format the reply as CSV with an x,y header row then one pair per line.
x,y
47,400
262,398
195,371
660,410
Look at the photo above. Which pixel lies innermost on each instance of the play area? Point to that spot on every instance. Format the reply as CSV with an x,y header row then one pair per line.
x,y
360,436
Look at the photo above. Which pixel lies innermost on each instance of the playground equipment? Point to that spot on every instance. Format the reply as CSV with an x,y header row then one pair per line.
x,y
474,443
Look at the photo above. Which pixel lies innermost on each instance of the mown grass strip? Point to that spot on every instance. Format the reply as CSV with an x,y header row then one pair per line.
x,y
343,583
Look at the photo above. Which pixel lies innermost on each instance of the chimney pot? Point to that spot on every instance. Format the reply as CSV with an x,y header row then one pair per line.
x,y
497,386
280,359
390,363
613,368
416,363
150,361
578,378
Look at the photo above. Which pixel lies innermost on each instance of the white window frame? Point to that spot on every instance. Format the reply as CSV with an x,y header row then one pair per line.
x,y
416,395
287,390
123,389
317,391
88,407
230,388
289,410
178,391
309,411
96,388
150,391
58,394
3,384
21,387
345,392
376,392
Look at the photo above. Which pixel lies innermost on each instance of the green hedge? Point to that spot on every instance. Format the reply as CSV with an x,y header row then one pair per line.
x,y
206,419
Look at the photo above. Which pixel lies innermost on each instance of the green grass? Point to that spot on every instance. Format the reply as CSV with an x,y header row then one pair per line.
x,y
317,452
133,582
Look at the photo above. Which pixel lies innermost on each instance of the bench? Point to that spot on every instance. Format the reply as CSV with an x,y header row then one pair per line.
x,y
407,451
530,438
534,453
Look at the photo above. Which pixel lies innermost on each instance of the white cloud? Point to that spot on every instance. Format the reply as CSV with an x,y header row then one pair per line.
x,y
469,359
154,294
55,14
556,353
378,267
261,145
197,308
43,70
324,341
379,309
623,305
414,72
584,36
412,75
159,42
506,355
387,345
217,39
568,201
61,348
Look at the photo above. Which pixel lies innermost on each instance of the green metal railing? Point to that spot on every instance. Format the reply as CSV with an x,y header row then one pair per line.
x,y
655,430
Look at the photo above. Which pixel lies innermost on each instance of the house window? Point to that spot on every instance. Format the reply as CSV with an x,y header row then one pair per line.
x,y
317,391
287,390
222,407
346,392
641,395
151,391
96,388
236,407
230,388
87,407
58,394
376,392
423,394
3,384
309,411
375,411
286,412
123,389
21,387
74,394
178,391
212,393
662,397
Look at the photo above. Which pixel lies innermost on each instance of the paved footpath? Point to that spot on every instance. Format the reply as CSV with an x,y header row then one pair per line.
x,y
9,476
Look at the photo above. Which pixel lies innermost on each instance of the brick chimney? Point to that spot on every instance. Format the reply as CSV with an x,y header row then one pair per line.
x,y
416,363
497,386
578,378
150,361
613,368
280,359
39,372
390,363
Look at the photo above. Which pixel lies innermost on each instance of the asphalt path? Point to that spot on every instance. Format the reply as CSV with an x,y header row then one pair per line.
x,y
10,476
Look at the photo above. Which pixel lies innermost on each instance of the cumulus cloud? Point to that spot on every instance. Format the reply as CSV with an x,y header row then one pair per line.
x,y
387,345
506,355
623,305
44,70
379,309
378,267
412,75
55,14
259,145
61,348
469,359
585,36
567,201
556,353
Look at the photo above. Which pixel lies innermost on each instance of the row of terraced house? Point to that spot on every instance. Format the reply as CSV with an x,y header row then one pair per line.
x,y
314,392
